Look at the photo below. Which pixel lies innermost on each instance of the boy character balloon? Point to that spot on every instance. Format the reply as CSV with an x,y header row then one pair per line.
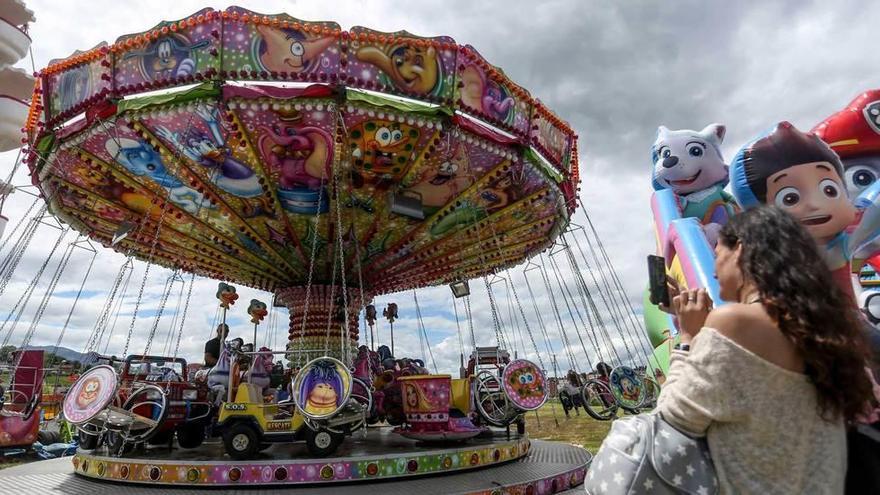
x,y
321,392
799,173
690,164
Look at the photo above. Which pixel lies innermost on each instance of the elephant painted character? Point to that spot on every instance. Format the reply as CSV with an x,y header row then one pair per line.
x,y
303,154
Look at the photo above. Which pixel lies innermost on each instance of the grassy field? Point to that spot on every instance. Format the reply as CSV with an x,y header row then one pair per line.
x,y
579,430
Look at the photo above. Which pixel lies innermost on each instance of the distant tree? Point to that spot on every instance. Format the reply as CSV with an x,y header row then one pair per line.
x,y
6,352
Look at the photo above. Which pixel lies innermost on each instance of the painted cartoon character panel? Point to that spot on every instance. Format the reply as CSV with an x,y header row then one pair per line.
x,y
690,164
481,93
170,56
626,387
322,387
426,395
382,151
301,153
443,179
408,67
525,384
288,50
142,160
201,138
72,87
799,173
90,394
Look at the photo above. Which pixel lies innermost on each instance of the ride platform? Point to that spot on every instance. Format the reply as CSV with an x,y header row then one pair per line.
x,y
494,465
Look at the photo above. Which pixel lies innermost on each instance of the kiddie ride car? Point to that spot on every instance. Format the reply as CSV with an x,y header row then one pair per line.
x,y
149,400
494,392
322,411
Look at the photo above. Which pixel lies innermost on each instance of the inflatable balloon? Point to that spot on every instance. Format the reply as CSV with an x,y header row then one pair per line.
x,y
801,174
690,164
690,206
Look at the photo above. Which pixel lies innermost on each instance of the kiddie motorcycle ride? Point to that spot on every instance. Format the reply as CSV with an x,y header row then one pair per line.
x,y
322,412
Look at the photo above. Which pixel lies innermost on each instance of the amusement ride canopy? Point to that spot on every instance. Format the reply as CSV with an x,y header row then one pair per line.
x,y
324,165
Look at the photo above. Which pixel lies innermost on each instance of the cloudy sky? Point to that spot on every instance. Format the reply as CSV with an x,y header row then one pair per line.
x,y
614,70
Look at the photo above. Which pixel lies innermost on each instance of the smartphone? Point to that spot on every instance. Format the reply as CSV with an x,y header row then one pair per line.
x,y
659,291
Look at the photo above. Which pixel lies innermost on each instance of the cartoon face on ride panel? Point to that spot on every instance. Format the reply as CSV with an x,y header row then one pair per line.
x,y
289,50
410,68
89,392
524,384
167,57
381,150
860,173
300,152
322,390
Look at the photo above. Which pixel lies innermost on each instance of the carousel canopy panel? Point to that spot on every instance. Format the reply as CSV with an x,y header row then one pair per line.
x,y
277,142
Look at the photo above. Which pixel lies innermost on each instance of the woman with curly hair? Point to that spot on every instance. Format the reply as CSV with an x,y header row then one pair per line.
x,y
773,377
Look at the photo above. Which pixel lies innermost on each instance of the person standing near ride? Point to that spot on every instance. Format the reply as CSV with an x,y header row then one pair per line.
x,y
771,378
213,346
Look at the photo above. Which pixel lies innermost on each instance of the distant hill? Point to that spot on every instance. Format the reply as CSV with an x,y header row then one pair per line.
x,y
62,352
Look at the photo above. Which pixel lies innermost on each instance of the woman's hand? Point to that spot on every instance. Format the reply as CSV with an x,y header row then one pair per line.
x,y
673,289
691,306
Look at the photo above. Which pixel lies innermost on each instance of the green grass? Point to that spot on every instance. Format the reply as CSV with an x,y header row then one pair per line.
x,y
577,429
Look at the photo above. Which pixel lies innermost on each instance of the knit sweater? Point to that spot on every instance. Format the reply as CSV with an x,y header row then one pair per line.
x,y
760,420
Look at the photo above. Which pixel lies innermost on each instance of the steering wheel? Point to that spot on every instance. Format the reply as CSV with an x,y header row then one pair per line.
x,y
133,426
491,401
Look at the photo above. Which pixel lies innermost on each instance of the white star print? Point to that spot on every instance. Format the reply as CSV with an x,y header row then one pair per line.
x,y
618,478
604,486
664,434
690,470
612,458
649,485
667,459
702,490
676,480
599,466
682,450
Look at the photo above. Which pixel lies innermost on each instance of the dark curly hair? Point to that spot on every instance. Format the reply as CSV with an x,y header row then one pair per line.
x,y
781,258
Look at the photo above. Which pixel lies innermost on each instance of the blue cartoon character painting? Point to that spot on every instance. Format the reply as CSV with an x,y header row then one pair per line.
x,y
210,151
690,164
141,159
322,389
168,57
799,173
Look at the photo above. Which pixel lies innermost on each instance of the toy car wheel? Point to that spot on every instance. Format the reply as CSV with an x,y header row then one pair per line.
x,y
87,441
241,441
161,438
322,443
116,443
521,425
190,436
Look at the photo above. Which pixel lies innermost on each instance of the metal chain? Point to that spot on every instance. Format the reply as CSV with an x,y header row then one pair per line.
x,y
93,341
163,301
116,310
22,302
424,331
566,343
312,256
192,278
343,281
528,328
